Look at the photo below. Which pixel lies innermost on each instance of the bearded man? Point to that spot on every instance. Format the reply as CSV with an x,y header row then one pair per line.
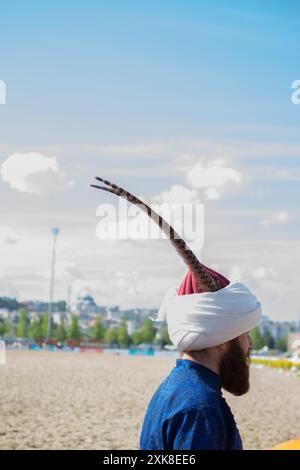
x,y
209,320
212,331
188,411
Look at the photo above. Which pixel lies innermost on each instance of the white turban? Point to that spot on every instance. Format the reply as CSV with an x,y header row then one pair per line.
x,y
199,321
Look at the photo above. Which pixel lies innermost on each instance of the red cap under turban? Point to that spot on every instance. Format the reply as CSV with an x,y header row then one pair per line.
x,y
189,284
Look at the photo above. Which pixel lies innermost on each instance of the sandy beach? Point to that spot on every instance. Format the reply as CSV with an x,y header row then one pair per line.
x,y
98,401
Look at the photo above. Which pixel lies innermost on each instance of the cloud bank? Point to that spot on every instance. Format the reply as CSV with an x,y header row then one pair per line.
x,y
33,173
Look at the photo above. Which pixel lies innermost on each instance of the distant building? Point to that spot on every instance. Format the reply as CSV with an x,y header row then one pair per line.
x,y
107,323
131,327
113,313
4,313
35,306
278,330
58,317
86,309
14,318
86,305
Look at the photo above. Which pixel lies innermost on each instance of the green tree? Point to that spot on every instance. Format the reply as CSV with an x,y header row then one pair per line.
x,y
74,329
60,332
282,343
164,336
148,331
44,326
137,337
268,340
6,329
98,329
35,331
111,336
123,337
257,339
22,328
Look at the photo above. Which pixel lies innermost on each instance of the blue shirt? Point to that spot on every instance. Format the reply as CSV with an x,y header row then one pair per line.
x,y
188,412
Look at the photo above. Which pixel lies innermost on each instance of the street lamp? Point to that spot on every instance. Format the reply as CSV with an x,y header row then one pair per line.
x,y
55,232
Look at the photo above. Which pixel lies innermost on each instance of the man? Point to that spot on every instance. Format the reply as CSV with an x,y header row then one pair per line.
x,y
209,319
188,411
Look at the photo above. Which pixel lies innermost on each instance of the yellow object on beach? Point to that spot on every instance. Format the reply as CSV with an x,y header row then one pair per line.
x,y
294,444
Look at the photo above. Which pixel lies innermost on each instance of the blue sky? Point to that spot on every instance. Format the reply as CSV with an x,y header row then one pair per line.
x,y
141,92
147,69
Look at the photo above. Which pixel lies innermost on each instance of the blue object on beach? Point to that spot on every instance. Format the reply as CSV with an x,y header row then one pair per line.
x,y
141,352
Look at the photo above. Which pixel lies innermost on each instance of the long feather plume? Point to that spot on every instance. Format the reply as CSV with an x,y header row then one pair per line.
x,y
205,281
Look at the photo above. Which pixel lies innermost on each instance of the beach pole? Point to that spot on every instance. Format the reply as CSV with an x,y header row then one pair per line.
x,y
55,232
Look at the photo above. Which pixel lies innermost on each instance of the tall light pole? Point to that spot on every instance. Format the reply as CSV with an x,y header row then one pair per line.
x,y
55,232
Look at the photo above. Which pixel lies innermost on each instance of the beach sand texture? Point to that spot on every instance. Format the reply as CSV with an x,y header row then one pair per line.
x,y
58,400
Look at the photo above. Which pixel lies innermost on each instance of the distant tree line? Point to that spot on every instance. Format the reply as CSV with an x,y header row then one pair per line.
x,y
113,336
260,340
12,304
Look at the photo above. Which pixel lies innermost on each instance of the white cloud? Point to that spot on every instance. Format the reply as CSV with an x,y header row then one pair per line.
x,y
64,271
33,173
262,192
122,288
235,273
275,173
214,178
127,150
7,235
177,194
7,288
261,273
212,193
126,283
276,218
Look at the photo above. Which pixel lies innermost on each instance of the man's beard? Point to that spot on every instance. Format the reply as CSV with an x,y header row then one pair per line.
x,y
234,369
